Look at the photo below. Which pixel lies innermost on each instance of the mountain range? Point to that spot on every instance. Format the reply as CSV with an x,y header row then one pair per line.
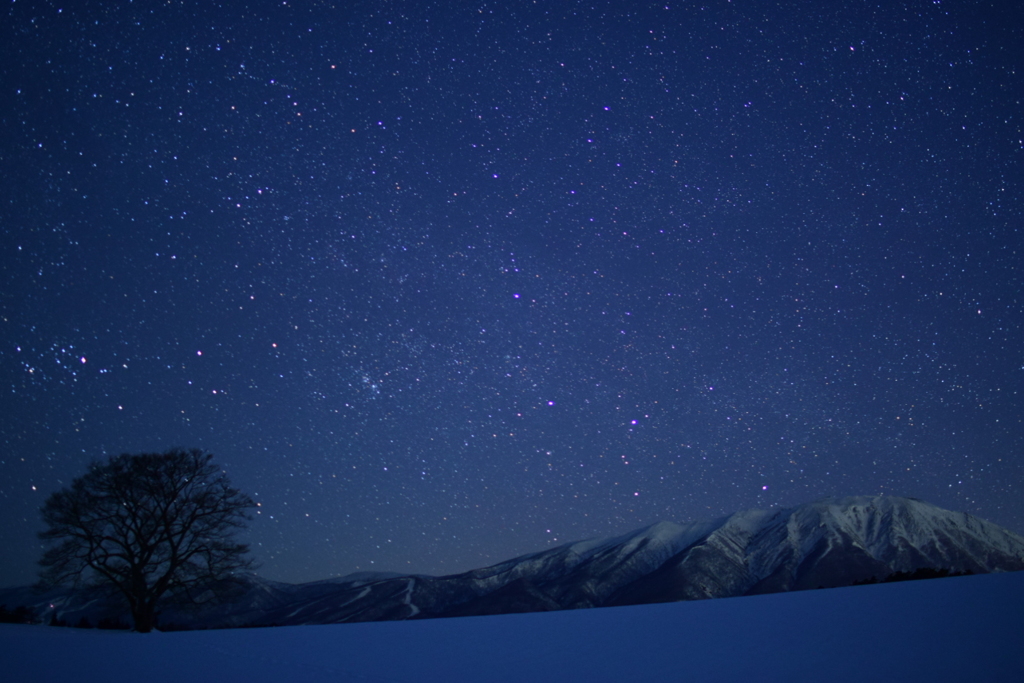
x,y
827,543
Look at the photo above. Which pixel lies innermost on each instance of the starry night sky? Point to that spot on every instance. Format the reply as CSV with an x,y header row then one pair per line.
x,y
443,283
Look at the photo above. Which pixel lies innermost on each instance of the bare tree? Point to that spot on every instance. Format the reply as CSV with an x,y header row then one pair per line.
x,y
150,525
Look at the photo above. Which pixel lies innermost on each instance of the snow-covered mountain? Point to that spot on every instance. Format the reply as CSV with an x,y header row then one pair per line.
x,y
827,543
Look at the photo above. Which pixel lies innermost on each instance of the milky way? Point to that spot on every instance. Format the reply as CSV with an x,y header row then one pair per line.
x,y
439,284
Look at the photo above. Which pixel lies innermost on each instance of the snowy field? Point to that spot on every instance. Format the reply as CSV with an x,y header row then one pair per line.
x,y
957,629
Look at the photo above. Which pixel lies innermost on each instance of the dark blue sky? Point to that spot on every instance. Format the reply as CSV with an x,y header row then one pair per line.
x,y
439,284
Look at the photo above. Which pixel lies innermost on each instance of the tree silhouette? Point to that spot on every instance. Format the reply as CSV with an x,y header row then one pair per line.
x,y
150,525
20,615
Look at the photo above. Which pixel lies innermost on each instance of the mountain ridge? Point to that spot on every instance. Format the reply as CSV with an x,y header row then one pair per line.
x,y
825,543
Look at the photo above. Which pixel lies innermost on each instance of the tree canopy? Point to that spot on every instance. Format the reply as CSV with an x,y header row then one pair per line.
x,y
149,525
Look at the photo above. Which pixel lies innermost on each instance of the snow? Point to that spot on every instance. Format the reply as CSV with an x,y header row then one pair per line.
x,y
407,598
954,629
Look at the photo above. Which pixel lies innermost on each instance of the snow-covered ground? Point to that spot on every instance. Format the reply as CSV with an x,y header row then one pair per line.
x,y
957,629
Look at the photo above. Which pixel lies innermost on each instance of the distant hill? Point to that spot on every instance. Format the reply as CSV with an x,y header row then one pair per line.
x,y
828,543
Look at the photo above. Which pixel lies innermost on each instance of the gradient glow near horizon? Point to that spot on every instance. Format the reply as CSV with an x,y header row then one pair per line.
x,y
440,283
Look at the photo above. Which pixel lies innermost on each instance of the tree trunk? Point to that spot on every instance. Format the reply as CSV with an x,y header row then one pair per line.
x,y
143,607
144,615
